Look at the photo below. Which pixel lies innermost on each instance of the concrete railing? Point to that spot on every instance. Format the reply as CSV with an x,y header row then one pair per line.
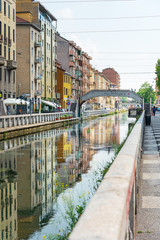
x,y
25,119
110,215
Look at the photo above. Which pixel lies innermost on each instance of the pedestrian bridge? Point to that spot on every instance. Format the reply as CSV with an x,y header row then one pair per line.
x,y
110,93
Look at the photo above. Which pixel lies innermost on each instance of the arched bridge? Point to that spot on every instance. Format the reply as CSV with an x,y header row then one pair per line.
x,y
110,93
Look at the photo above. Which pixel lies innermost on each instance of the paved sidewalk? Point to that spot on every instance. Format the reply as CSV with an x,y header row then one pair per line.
x,y
148,215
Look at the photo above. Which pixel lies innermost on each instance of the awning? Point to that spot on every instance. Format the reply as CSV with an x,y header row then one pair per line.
x,y
14,101
49,103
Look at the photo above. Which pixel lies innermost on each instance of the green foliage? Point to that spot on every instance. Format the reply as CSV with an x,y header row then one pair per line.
x,y
146,91
124,99
158,75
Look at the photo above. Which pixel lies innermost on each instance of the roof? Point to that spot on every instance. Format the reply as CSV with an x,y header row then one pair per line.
x,y
44,10
20,20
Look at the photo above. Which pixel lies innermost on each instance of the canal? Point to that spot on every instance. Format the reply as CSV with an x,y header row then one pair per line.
x,y
43,175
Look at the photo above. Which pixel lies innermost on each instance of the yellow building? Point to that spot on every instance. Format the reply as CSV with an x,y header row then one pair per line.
x,y
8,62
63,87
67,90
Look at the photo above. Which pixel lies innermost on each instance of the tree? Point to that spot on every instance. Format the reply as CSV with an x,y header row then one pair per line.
x,y
146,91
158,75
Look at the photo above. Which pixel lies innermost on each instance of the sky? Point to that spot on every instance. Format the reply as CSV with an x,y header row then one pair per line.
x,y
121,34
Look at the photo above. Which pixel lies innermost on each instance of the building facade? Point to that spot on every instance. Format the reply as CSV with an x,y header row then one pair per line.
x,y
63,87
29,72
43,19
113,76
8,62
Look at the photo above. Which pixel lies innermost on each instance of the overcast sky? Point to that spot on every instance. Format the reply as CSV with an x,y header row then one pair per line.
x,y
133,54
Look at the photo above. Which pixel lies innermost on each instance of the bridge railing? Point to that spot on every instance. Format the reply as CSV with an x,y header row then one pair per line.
x,y
111,212
25,119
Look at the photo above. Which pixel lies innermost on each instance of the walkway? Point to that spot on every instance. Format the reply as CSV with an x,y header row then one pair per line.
x,y
148,215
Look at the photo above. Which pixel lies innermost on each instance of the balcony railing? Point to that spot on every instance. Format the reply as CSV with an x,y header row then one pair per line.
x,y
71,64
1,38
38,93
38,77
37,44
11,65
37,60
5,40
2,61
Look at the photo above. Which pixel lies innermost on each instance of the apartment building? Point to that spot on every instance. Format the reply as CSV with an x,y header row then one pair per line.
x,y
43,19
8,62
75,68
113,76
29,70
63,87
63,52
86,71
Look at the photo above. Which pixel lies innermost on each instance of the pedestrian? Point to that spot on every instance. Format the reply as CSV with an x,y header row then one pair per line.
x,y
154,110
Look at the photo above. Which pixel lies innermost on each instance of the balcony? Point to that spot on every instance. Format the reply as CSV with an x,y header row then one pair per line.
x,y
38,77
37,60
74,87
37,44
5,40
71,52
38,93
11,65
71,64
1,38
9,42
2,61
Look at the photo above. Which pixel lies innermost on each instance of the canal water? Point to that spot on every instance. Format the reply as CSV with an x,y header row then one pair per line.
x,y
44,175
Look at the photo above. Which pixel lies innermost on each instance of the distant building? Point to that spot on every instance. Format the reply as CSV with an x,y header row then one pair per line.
x,y
63,52
113,76
63,87
8,62
86,71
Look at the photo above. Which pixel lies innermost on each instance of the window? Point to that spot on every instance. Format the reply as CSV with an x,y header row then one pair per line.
x,y
8,11
5,51
9,53
0,27
0,49
14,76
5,75
13,35
32,51
14,57
5,8
9,76
4,30
32,35
8,32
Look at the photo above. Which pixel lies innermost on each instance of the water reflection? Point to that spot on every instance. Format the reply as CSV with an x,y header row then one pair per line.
x,y
30,167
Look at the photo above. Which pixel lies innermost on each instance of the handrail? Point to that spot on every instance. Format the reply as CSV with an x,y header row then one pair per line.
x,y
26,119
110,214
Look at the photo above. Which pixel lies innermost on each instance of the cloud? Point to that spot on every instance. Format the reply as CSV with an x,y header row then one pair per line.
x,y
88,46
65,13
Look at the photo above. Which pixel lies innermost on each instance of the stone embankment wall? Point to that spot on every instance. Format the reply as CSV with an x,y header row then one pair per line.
x,y
110,214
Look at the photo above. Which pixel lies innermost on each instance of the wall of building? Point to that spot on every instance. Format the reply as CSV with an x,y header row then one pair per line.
x,y
8,63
